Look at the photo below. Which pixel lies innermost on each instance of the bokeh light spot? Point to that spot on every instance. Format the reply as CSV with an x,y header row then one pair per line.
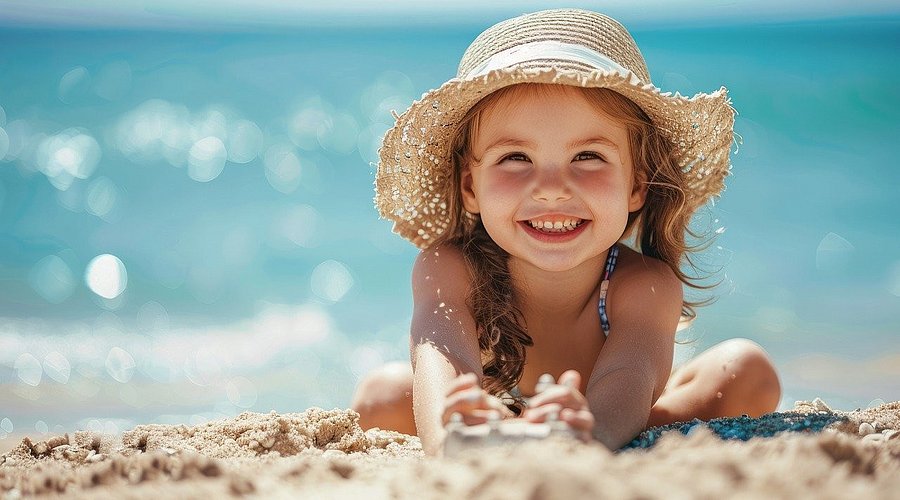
x,y
120,365
245,141
102,195
331,280
74,83
19,133
152,317
204,367
6,425
304,125
106,276
68,155
155,129
282,168
52,279
391,91
28,369
4,143
211,122
41,427
300,225
57,367
339,134
206,159
159,364
95,425
110,428
73,198
833,253
241,392
364,359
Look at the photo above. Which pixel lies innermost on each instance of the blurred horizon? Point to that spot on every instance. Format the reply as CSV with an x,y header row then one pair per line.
x,y
187,228
274,15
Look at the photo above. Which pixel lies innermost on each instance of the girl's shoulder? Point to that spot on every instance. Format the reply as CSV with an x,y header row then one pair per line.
x,y
638,275
440,274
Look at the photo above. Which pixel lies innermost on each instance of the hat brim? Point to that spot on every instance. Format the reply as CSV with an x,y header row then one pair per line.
x,y
415,161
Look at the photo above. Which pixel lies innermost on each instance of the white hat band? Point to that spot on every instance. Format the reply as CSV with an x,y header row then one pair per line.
x,y
547,49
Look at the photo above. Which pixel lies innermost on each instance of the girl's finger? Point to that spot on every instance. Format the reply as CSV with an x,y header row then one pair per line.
x,y
467,400
476,417
561,395
464,381
541,413
580,420
571,379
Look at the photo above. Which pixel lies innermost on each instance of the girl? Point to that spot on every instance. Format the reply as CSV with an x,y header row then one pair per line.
x,y
523,180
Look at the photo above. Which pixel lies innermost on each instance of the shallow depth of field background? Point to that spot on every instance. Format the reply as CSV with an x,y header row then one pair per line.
x,y
186,219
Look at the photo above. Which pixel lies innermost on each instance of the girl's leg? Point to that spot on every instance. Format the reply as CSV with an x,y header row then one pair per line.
x,y
732,378
383,399
729,379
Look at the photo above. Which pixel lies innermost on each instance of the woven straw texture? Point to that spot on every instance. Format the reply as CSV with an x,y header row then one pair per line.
x,y
413,178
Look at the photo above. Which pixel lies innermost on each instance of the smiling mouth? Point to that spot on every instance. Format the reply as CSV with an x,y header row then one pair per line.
x,y
558,226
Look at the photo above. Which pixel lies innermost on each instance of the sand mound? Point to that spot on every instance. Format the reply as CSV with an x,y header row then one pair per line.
x,y
325,453
221,450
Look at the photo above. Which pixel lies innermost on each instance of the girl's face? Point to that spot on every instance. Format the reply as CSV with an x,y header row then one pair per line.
x,y
551,176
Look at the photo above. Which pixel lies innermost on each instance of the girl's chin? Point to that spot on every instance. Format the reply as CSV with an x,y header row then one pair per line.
x,y
545,262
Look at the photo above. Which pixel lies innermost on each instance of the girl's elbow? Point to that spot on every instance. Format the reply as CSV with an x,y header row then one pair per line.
x,y
615,439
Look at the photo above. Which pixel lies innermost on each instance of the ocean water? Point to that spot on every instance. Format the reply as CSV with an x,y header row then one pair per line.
x,y
187,228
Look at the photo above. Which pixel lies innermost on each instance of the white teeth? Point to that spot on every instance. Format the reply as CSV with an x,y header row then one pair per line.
x,y
555,227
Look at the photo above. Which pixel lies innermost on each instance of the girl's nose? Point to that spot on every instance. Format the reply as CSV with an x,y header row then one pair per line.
x,y
550,185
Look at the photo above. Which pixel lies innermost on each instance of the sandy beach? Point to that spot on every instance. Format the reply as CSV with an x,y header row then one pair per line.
x,y
325,454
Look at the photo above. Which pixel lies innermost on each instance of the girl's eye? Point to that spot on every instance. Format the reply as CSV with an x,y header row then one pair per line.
x,y
587,155
514,157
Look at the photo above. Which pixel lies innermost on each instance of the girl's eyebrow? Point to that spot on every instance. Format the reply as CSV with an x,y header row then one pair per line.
x,y
593,140
508,141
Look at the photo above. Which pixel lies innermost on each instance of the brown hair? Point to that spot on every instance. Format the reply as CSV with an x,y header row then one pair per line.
x,y
659,227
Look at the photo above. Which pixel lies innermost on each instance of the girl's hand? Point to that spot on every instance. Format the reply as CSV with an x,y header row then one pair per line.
x,y
565,400
475,405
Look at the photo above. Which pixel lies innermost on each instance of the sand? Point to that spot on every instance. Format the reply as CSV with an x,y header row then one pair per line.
x,y
325,454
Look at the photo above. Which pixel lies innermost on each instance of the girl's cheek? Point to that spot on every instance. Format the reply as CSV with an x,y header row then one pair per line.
x,y
603,187
503,185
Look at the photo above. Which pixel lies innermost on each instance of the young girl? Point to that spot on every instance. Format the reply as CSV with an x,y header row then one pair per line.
x,y
522,180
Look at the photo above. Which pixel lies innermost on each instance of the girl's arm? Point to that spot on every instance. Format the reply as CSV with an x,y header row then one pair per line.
x,y
443,339
634,364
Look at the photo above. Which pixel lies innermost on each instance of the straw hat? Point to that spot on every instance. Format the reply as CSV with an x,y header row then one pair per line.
x,y
564,46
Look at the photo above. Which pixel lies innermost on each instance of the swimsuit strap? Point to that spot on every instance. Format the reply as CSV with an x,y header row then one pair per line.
x,y
604,285
611,258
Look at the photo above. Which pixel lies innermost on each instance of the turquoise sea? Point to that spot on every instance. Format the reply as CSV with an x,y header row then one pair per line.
x,y
187,228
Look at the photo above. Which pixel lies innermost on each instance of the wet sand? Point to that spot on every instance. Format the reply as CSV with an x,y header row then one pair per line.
x,y
324,453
